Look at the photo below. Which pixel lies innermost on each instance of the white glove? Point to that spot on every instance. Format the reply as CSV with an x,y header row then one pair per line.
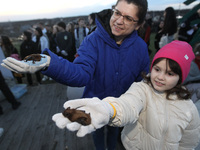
x,y
26,66
57,49
63,52
100,112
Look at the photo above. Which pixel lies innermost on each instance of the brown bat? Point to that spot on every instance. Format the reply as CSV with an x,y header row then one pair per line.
x,y
33,57
79,116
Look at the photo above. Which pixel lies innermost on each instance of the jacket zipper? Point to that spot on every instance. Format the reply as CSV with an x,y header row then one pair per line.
x,y
165,127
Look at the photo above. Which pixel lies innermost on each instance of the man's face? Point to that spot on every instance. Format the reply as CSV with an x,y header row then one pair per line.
x,y
120,27
60,29
81,23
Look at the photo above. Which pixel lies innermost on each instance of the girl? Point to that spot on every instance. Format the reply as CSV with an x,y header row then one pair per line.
x,y
91,20
41,41
70,29
29,47
169,28
157,113
10,51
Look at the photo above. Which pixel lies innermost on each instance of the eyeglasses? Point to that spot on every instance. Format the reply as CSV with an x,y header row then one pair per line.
x,y
127,19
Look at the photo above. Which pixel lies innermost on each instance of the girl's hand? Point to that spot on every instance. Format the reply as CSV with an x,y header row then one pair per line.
x,y
100,113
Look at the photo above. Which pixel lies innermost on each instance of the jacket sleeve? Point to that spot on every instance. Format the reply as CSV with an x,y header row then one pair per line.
x,y
129,105
191,135
78,73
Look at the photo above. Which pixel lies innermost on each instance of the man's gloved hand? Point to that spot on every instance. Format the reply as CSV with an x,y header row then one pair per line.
x,y
100,112
57,49
64,53
26,66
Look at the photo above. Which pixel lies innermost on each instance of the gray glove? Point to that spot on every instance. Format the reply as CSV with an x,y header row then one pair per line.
x,y
26,66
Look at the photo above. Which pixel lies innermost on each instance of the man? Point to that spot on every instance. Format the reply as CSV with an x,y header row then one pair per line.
x,y
80,32
189,27
65,42
109,60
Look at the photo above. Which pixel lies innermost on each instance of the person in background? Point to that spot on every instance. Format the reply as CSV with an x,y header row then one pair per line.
x,y
80,32
10,51
42,27
41,40
158,35
65,42
108,61
32,30
41,43
157,113
194,74
91,20
189,27
8,94
170,26
70,29
192,82
54,43
145,30
29,47
49,33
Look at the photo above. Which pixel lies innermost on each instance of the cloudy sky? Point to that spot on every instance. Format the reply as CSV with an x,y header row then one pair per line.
x,y
38,9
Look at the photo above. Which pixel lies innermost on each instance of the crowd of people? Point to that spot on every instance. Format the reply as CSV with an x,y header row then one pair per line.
x,y
61,38
107,57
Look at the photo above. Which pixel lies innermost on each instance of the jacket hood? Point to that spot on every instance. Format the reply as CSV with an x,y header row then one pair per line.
x,y
103,17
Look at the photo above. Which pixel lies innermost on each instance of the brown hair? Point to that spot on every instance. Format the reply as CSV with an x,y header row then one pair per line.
x,y
142,7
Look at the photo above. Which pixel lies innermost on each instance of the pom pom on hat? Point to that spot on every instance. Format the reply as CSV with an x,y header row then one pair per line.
x,y
179,51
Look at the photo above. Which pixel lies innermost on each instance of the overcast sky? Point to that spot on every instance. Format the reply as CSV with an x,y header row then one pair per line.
x,y
17,10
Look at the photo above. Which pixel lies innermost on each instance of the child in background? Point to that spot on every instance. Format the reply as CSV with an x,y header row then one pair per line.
x,y
157,113
29,47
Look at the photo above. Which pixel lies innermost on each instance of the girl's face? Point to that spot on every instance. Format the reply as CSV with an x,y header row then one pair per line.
x,y
120,26
36,32
162,78
81,23
161,24
24,37
164,14
68,28
55,29
90,20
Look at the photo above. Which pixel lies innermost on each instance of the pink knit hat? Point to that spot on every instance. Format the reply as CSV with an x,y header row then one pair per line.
x,y
179,51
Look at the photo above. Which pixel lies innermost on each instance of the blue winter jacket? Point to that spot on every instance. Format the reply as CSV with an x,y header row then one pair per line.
x,y
103,67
